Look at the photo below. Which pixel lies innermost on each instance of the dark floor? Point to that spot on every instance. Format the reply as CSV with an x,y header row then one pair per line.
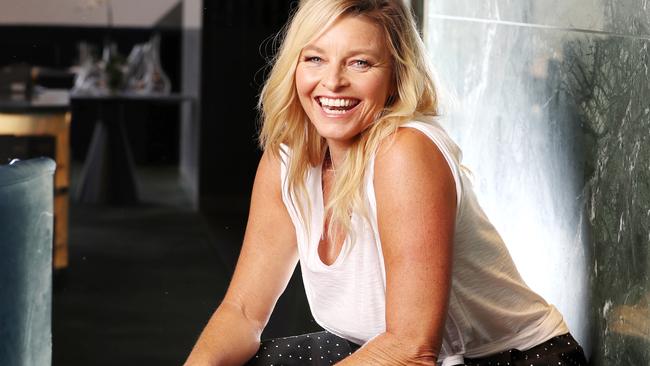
x,y
143,280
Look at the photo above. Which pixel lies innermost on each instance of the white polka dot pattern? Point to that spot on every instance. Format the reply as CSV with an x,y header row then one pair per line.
x,y
558,351
322,348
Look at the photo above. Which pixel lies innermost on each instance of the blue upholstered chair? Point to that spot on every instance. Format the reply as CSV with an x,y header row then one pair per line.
x,y
26,225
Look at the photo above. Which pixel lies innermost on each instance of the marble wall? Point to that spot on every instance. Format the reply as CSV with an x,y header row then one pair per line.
x,y
550,103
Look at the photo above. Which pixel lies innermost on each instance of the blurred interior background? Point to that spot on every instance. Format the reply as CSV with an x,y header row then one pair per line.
x,y
149,109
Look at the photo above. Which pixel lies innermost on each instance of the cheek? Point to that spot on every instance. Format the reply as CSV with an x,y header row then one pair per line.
x,y
305,81
304,88
379,89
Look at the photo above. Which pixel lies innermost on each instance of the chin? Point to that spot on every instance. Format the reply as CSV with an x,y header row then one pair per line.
x,y
341,129
343,136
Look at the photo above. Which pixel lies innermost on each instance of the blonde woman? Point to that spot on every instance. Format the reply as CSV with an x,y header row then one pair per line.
x,y
361,185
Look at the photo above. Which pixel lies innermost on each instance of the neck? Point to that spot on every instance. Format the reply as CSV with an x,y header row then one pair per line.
x,y
336,154
328,165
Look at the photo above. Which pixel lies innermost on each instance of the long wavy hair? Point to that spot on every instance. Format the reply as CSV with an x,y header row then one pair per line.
x,y
283,120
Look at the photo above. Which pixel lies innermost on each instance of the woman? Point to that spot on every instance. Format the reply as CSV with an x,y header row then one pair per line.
x,y
360,183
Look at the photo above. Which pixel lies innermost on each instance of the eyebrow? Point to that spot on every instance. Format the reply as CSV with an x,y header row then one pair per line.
x,y
357,51
313,48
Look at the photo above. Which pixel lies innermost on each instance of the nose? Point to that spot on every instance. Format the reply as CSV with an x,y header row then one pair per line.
x,y
334,78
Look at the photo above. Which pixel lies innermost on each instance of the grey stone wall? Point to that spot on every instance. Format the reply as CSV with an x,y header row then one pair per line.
x,y
549,102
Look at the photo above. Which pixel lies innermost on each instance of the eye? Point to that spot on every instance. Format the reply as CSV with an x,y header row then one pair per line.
x,y
313,59
360,64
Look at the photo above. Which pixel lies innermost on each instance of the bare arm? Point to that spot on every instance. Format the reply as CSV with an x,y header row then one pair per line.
x,y
267,260
416,209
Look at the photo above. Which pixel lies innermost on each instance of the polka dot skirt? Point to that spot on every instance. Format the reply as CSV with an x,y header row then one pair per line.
x,y
322,348
558,351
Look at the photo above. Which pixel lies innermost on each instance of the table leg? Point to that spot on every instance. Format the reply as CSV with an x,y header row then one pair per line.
x,y
108,174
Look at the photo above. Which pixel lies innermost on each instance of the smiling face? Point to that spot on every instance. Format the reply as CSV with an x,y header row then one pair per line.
x,y
343,79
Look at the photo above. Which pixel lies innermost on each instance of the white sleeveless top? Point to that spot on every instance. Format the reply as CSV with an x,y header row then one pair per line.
x,y
490,310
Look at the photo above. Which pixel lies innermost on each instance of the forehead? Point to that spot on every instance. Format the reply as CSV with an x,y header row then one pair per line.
x,y
351,32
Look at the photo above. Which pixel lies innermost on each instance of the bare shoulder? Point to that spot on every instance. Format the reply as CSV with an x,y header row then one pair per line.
x,y
268,172
270,161
410,153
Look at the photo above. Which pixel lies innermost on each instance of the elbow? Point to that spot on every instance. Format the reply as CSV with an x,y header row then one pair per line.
x,y
255,323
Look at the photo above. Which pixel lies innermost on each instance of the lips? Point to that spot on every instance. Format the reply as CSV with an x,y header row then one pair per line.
x,y
337,105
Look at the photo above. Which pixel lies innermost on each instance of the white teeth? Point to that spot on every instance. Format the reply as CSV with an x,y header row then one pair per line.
x,y
334,111
336,102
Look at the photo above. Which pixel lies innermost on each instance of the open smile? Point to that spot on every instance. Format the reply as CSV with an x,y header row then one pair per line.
x,y
337,106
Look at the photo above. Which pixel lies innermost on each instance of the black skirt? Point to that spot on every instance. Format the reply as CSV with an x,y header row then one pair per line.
x,y
324,348
314,349
558,351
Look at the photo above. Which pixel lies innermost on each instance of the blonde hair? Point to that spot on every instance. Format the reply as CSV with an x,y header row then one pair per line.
x,y
285,122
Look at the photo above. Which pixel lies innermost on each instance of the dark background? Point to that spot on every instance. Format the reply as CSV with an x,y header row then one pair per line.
x,y
234,45
143,280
